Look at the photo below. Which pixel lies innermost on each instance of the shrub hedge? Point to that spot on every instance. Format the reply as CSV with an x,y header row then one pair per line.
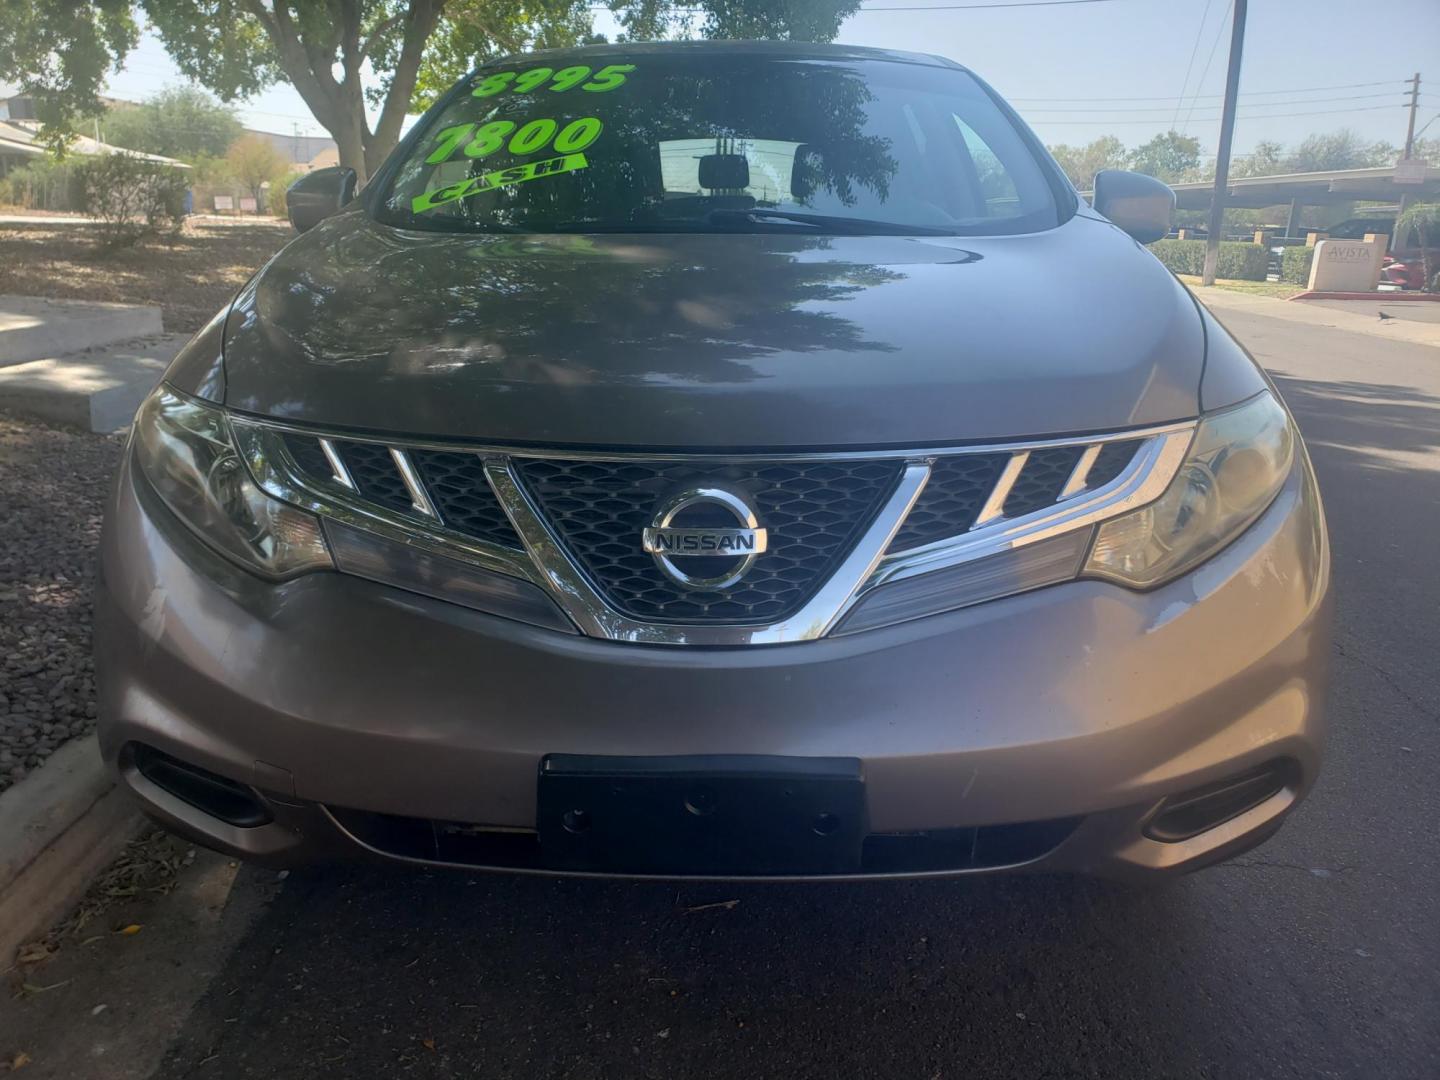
x,y
1247,262
1295,265
133,198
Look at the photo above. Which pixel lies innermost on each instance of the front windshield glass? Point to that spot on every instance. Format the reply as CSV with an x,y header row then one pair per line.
x,y
689,142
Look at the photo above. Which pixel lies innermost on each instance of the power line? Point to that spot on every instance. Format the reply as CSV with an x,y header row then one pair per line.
x,y
1247,93
1185,82
1248,105
1204,119
1219,32
984,7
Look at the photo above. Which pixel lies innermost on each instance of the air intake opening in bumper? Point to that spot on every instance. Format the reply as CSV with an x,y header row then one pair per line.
x,y
1203,808
930,851
226,800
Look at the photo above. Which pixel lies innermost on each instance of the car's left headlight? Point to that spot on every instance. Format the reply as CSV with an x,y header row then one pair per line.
x,y
1236,465
183,447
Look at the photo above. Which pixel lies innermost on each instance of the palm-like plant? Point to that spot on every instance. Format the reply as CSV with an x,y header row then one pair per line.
x,y
1424,220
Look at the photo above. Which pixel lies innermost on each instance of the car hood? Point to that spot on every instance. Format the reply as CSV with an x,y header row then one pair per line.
x,y
711,341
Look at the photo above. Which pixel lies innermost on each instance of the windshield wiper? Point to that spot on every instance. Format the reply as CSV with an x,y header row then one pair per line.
x,y
824,222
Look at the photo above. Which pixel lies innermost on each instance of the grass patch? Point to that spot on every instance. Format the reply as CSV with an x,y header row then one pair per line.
x,y
188,276
1281,290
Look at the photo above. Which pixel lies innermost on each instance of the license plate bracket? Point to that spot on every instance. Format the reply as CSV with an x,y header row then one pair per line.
x,y
698,815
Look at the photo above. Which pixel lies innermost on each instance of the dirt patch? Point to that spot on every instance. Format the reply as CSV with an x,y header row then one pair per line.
x,y
190,276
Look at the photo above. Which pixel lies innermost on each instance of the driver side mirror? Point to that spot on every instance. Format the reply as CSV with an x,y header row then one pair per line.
x,y
1139,204
317,195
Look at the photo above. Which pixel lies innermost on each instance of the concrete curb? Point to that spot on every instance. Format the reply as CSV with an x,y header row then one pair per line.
x,y
1382,297
59,827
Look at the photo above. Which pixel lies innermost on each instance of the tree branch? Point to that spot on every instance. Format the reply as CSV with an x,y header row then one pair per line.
x,y
380,31
421,18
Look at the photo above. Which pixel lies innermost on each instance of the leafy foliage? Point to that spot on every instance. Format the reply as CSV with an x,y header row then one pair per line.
x,y
179,122
1342,149
1267,159
1424,220
1243,262
276,203
132,198
42,184
1081,163
59,53
254,162
343,54
1170,157
1295,265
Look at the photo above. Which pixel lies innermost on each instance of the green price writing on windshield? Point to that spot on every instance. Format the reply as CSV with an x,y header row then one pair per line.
x,y
482,140
524,82
518,174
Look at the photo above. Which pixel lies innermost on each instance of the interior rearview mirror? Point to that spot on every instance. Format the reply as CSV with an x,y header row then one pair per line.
x,y
724,171
317,195
1139,204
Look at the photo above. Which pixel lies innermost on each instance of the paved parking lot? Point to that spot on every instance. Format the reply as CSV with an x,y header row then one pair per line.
x,y
1314,956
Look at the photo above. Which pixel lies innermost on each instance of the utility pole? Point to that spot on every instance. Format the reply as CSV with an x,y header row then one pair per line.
x,y
1222,158
1414,107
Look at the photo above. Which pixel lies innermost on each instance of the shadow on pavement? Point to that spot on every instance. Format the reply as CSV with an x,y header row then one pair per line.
x,y
358,971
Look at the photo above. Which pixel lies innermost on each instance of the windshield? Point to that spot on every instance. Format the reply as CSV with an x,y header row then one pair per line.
x,y
697,143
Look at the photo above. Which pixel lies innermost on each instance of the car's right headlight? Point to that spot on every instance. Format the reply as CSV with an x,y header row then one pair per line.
x,y
1236,465
184,448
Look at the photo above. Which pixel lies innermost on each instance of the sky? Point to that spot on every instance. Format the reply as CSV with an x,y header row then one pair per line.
x,y
1309,65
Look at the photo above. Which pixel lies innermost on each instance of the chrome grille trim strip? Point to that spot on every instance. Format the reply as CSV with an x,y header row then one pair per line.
x,y
1142,481
720,456
337,463
546,562
275,471
596,618
1078,475
994,507
419,497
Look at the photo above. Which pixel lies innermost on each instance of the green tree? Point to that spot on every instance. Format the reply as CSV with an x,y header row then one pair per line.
x,y
342,54
59,53
1343,149
180,122
1424,219
254,162
1267,159
1169,157
1081,163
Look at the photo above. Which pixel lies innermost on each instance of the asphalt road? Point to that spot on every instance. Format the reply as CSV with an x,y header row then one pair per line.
x,y
1317,955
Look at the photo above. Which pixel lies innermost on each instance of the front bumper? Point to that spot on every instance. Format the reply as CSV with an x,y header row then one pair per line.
x,y
355,710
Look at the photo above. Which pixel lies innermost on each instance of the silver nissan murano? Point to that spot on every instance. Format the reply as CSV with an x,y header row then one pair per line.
x,y
717,460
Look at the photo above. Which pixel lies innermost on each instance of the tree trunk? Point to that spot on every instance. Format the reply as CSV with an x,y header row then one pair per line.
x,y
348,133
340,104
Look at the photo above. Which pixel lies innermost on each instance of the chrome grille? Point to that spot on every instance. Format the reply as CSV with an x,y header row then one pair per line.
x,y
376,477
1042,479
814,512
462,496
842,525
952,499
1111,461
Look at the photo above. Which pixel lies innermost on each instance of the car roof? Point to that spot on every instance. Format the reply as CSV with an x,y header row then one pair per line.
x,y
802,50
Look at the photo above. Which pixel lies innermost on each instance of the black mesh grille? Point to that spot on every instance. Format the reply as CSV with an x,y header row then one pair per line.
x,y
305,449
1111,462
814,513
951,500
375,475
457,486
1041,479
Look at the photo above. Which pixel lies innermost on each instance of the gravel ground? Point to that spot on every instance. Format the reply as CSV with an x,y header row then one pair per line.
x,y
52,482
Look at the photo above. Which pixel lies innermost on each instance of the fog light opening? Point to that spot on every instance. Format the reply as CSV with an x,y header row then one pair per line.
x,y
226,800
1201,809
